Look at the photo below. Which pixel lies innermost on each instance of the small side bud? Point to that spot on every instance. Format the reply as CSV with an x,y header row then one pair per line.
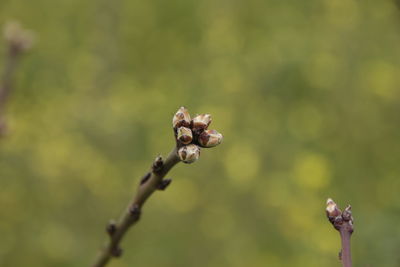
x,y
189,153
332,209
111,228
135,212
164,184
210,138
184,135
201,122
181,118
145,178
158,164
347,214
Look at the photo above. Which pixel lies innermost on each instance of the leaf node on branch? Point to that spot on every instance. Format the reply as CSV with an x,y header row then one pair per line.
x,y
190,135
343,222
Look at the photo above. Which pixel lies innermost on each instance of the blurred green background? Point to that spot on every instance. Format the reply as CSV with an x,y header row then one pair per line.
x,y
306,94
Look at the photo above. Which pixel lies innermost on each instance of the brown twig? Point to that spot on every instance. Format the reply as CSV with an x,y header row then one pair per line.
x,y
18,41
186,150
149,183
343,222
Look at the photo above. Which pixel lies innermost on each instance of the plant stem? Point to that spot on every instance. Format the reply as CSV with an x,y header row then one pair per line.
x,y
6,81
342,222
149,183
18,40
9,69
345,235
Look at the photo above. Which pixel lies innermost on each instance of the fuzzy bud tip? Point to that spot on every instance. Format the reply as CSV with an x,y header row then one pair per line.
x,y
210,138
18,37
189,153
184,135
201,122
347,214
181,118
332,209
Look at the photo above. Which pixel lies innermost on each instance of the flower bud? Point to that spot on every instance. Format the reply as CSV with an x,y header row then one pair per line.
x,y
184,135
210,138
201,122
18,37
181,118
189,153
332,209
347,214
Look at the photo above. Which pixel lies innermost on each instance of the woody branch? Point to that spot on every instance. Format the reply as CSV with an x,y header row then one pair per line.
x,y
190,135
342,222
18,40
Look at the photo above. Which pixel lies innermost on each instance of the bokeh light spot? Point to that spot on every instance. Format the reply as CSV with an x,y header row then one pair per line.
x,y
242,164
312,171
183,195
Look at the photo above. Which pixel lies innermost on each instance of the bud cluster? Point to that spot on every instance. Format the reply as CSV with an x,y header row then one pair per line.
x,y
337,217
191,134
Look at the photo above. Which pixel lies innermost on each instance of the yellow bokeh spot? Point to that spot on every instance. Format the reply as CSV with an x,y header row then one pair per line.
x,y
343,15
381,78
327,244
242,164
184,196
323,69
220,35
305,122
312,171
52,234
225,226
273,191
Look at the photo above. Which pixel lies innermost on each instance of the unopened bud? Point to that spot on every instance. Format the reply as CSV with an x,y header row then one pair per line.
x,y
201,122
18,37
210,138
184,135
347,214
181,118
332,209
189,153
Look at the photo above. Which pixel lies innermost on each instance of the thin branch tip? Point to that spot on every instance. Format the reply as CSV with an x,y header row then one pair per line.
x,y
342,222
18,40
186,150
